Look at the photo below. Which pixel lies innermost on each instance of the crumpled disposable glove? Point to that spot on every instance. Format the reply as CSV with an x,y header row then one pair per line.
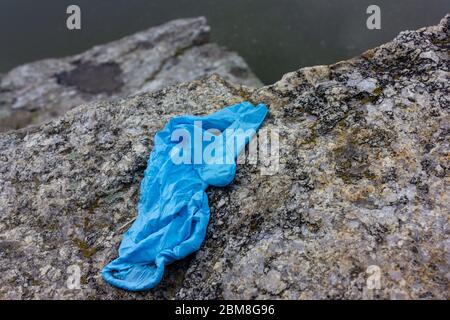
x,y
173,210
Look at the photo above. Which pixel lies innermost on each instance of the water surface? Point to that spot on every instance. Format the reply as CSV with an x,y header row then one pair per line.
x,y
274,36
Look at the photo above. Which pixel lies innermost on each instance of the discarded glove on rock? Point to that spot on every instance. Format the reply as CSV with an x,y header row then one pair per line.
x,y
189,154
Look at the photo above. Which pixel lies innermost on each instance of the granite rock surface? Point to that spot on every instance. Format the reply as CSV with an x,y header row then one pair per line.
x,y
357,208
175,52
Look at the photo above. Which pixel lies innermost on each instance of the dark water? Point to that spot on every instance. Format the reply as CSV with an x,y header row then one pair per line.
x,y
274,36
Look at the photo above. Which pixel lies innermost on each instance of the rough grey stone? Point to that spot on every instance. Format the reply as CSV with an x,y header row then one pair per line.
x,y
175,52
362,188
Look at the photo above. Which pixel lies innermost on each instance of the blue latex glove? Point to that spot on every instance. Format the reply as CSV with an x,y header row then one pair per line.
x,y
173,211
